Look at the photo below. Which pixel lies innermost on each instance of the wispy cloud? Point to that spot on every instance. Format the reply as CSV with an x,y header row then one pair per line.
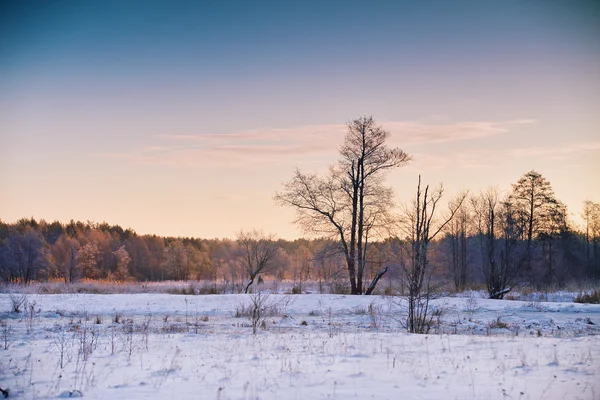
x,y
276,146
459,160
419,133
558,152
568,154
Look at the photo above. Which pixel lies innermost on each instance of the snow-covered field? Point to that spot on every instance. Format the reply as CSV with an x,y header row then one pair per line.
x,y
313,347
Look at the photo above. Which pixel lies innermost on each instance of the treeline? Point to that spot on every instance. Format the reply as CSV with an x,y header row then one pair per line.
x,y
32,250
491,240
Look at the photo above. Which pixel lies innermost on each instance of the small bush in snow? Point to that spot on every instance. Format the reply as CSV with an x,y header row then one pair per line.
x,y
18,301
593,297
261,306
498,324
471,303
375,312
7,334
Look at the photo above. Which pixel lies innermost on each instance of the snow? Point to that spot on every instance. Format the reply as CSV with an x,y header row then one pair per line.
x,y
315,347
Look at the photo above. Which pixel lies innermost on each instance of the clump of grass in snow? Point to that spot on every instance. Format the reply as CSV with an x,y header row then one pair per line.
x,y
592,297
498,324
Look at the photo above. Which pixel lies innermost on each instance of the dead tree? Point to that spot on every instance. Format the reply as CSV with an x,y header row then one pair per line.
x,y
257,254
344,204
422,227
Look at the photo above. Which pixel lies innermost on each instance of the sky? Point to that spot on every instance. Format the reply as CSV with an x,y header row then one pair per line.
x,y
185,118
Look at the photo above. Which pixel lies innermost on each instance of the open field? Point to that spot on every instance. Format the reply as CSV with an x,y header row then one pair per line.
x,y
310,346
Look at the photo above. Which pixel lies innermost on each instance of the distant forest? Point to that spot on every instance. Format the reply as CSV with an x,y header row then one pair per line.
x,y
523,237
33,250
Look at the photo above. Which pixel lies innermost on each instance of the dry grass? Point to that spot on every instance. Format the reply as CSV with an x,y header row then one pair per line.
x,y
592,297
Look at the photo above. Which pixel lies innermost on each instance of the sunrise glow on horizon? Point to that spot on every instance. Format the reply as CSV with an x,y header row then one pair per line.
x,y
184,118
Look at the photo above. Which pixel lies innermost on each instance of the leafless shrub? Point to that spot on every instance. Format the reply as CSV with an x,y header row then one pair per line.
x,y
129,342
271,307
497,324
198,319
174,327
280,306
113,335
32,313
536,305
419,311
18,301
471,303
87,340
438,313
261,306
145,330
259,309
63,343
358,310
7,333
375,314
333,327
166,370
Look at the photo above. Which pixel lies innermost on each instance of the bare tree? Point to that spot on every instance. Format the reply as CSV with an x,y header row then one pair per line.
x,y
24,255
175,260
257,254
137,248
591,215
498,235
422,227
64,252
344,205
554,226
458,232
300,267
328,265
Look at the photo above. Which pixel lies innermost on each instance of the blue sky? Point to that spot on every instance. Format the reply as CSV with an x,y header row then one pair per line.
x,y
183,118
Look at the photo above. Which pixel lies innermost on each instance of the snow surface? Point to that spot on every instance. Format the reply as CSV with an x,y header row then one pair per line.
x,y
315,347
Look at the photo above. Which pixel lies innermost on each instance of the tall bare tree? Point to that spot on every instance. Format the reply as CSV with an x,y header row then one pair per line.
x,y
344,204
591,215
257,254
422,225
498,233
458,232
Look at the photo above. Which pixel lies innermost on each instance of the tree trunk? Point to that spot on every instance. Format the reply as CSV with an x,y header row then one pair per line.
x,y
352,274
500,294
375,280
250,282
